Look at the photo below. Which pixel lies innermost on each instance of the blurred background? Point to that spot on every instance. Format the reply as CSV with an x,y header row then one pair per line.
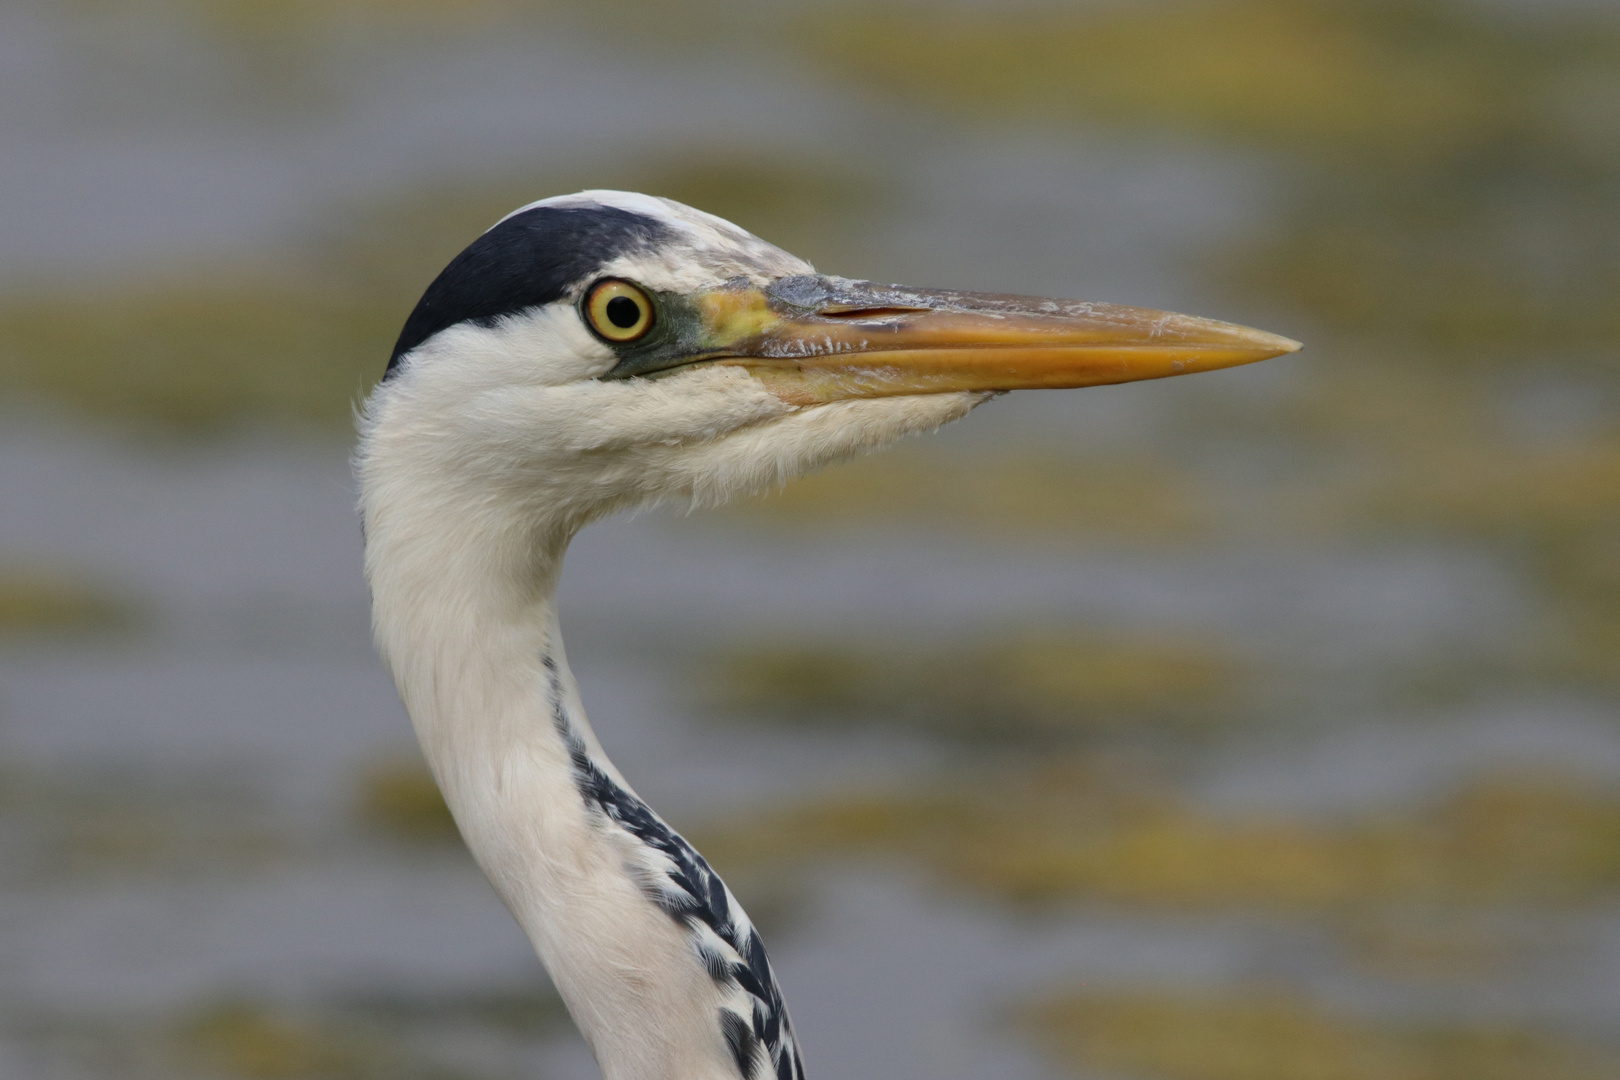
x,y
1259,726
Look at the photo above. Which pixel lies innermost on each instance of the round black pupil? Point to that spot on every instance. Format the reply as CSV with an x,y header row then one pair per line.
x,y
623,312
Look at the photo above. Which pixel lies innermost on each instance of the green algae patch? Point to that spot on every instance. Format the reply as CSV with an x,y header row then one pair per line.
x,y
1435,261
1394,449
1525,496
1346,77
252,22
1135,499
1450,175
392,245
269,29
383,1036
41,600
296,347
1032,686
1584,652
1073,833
196,356
1550,510
1421,453
515,1012
1267,1034
479,1033
809,207
1444,946
257,1044
402,799
111,827
1488,243
92,828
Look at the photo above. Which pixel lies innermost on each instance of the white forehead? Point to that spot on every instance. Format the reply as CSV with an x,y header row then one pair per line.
x,y
707,250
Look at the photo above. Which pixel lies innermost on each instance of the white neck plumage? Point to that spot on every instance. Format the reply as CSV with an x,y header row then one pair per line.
x,y
659,967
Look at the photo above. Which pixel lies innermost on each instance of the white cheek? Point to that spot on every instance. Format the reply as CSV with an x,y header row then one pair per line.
x,y
691,406
760,456
548,346
552,346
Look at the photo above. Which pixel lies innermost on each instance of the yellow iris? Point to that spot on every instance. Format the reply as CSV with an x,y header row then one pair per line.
x,y
618,310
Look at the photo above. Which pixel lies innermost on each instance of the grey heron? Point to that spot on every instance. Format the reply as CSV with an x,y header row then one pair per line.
x,y
599,351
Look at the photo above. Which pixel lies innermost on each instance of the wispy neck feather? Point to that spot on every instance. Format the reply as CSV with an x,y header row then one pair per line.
x,y
482,455
658,965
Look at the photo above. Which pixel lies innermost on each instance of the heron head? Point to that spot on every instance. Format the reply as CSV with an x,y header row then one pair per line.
x,y
604,349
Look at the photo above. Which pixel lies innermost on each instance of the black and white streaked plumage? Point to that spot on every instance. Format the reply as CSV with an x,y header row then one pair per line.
x,y
605,350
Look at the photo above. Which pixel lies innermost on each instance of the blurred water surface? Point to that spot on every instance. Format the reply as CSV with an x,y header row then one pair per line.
x,y
1259,725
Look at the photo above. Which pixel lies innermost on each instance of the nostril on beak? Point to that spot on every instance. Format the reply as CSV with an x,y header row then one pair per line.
x,y
844,311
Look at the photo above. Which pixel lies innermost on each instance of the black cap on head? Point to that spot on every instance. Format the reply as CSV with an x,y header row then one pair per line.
x,y
532,258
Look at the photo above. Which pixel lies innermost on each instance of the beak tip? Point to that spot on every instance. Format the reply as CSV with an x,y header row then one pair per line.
x,y
1277,345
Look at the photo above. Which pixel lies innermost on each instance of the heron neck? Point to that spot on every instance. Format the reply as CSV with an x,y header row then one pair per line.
x,y
660,968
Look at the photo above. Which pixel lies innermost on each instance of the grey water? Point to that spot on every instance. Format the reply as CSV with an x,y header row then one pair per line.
x,y
257,686
243,709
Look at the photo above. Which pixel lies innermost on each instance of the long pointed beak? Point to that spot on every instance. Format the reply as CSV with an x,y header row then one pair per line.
x,y
814,339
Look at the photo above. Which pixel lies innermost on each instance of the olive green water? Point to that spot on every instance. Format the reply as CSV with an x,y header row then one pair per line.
x,y
1261,725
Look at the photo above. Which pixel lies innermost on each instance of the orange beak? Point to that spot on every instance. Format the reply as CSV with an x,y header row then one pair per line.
x,y
815,339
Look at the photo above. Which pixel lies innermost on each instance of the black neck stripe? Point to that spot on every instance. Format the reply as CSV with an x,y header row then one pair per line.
x,y
530,259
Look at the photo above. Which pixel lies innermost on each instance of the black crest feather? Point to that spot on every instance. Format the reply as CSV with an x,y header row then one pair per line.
x,y
528,260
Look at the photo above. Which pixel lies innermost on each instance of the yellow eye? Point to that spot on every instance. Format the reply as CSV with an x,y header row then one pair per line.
x,y
618,310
